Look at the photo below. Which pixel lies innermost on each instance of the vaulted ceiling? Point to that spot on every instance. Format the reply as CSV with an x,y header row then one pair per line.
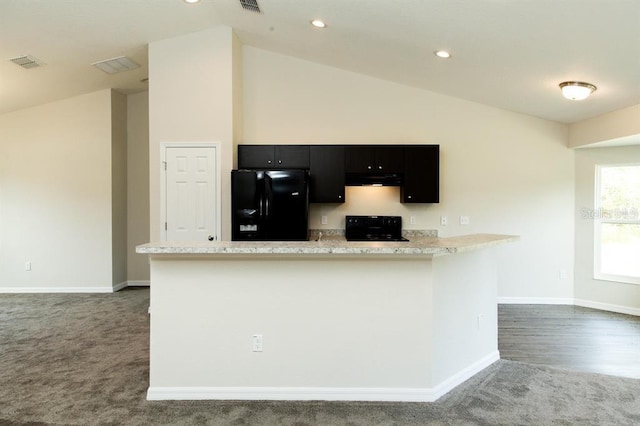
x,y
510,54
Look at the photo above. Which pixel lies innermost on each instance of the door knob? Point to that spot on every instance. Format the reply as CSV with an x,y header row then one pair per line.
x,y
211,238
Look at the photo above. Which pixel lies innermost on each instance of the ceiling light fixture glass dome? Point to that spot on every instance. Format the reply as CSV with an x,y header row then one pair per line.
x,y
442,54
318,23
577,90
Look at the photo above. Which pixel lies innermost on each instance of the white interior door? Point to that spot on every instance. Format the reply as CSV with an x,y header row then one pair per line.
x,y
191,194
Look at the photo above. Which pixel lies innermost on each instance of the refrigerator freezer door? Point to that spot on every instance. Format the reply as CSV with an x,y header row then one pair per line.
x,y
247,205
286,205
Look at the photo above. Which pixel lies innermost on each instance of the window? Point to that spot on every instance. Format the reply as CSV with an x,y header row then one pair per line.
x,y
617,223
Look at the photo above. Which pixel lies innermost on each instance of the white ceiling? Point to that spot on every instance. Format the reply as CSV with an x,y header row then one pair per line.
x,y
511,54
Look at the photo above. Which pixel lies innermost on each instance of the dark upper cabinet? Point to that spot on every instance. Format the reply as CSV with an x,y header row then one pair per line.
x,y
255,156
374,159
327,174
328,165
273,156
421,182
292,156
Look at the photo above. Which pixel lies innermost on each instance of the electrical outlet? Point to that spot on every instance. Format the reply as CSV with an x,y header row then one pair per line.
x,y
323,219
257,342
412,220
443,220
562,274
27,265
464,220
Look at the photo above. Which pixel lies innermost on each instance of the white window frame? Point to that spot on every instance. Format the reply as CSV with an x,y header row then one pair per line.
x,y
600,218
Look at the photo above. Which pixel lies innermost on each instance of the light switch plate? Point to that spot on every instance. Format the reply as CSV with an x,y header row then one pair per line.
x,y
257,343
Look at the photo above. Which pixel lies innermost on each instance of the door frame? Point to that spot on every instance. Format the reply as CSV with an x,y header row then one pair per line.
x,y
163,182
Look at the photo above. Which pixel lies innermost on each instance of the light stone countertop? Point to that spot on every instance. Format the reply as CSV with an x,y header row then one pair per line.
x,y
332,245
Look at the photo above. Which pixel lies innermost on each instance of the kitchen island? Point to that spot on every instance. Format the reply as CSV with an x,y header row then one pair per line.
x,y
336,320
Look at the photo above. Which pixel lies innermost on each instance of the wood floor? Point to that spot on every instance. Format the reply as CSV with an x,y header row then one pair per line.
x,y
570,337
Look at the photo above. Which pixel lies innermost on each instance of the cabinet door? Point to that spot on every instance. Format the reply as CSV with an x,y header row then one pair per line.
x,y
327,173
291,156
374,159
421,174
389,159
360,159
255,156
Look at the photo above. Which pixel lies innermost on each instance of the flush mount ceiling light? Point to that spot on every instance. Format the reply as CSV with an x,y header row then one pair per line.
x,y
577,90
115,65
442,54
191,1
318,23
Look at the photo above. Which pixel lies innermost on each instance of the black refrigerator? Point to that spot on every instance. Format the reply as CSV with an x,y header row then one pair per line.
x,y
269,205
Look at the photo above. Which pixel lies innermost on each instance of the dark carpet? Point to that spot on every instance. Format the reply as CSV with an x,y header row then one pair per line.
x,y
83,360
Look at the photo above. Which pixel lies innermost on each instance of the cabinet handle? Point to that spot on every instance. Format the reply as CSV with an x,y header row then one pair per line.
x,y
211,238
379,167
369,167
339,197
279,161
409,197
268,161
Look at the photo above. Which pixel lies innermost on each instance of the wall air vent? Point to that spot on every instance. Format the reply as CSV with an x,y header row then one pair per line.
x,y
251,5
115,65
27,61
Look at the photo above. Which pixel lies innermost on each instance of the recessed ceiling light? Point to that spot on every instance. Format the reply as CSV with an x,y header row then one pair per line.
x,y
442,54
318,23
191,1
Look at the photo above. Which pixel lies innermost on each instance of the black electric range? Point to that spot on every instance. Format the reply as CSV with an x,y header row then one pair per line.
x,y
373,228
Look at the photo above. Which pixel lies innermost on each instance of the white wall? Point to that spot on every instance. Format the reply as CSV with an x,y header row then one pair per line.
x,y
119,188
56,196
510,173
137,185
623,123
191,99
404,329
619,297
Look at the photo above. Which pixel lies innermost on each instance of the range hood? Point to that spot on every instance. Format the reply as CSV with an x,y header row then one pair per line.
x,y
373,179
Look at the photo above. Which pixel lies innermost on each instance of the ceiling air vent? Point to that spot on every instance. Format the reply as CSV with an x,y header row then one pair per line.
x,y
251,5
27,61
115,65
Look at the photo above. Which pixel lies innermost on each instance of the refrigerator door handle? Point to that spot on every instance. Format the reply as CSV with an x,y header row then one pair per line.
x,y
266,206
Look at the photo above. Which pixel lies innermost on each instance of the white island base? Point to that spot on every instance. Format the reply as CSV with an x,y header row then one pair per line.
x,y
363,326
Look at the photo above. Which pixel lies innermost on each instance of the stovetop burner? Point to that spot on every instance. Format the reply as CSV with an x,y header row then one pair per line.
x,y
374,228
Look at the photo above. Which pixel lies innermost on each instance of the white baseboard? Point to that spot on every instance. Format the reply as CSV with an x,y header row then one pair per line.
x,y
462,376
535,300
321,393
138,283
607,307
290,394
562,301
57,289
118,287
105,289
